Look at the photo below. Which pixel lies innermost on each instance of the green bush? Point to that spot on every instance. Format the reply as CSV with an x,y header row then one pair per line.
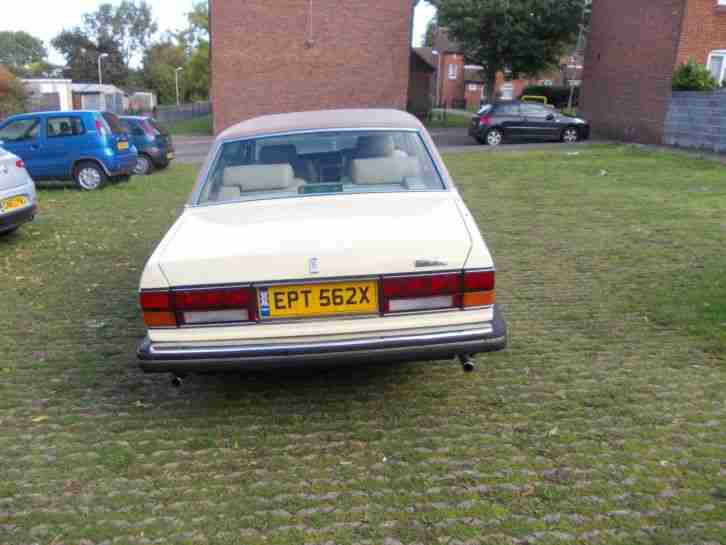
x,y
691,76
558,96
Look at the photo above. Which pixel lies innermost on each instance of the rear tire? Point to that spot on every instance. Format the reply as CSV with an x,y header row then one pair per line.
x,y
8,232
144,166
494,138
89,176
570,135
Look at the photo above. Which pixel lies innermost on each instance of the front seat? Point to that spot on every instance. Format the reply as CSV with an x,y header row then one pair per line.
x,y
287,154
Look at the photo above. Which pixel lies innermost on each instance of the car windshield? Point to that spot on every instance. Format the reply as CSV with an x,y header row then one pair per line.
x,y
22,129
321,163
160,129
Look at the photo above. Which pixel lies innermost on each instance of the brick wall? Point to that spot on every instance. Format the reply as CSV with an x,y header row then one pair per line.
x,y
704,29
452,90
631,53
263,63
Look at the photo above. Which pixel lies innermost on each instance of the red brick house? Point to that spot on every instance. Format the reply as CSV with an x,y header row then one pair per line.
x,y
461,85
634,46
274,57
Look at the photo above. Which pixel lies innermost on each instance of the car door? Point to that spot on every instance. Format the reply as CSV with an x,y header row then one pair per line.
x,y
64,141
509,117
540,122
24,138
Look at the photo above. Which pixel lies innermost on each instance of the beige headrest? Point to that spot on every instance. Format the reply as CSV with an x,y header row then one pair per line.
x,y
384,170
259,177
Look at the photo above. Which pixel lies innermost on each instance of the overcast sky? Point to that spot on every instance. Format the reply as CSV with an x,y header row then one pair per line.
x,y
46,18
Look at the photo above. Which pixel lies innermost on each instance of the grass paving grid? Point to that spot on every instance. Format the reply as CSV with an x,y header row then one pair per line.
x,y
602,423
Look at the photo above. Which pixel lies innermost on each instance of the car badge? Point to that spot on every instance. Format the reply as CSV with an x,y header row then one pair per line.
x,y
314,265
425,263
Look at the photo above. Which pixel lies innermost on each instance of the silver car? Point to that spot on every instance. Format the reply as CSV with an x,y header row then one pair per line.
x,y
17,193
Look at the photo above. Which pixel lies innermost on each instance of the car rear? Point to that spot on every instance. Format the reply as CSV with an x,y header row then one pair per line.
x,y
163,142
17,193
376,259
118,153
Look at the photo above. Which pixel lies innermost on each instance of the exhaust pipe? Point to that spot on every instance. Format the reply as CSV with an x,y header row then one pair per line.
x,y
467,363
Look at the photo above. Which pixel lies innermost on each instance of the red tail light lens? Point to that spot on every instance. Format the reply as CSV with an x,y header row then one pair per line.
x,y
20,163
198,307
485,120
435,292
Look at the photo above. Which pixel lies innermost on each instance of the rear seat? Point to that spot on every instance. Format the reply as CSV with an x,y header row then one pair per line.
x,y
246,179
384,170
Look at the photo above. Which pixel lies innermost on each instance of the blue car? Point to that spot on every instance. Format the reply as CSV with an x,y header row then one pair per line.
x,y
87,147
153,142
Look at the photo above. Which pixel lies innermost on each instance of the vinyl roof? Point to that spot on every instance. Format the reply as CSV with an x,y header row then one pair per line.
x,y
324,120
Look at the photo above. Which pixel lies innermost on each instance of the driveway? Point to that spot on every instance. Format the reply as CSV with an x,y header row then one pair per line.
x,y
194,149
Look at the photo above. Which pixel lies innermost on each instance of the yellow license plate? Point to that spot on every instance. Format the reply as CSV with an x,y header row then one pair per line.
x,y
13,204
123,146
313,300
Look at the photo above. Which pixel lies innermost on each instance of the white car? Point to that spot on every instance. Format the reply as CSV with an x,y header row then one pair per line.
x,y
17,193
320,237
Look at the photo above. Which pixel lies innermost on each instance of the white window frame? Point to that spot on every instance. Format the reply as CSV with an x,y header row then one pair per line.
x,y
721,3
719,53
453,71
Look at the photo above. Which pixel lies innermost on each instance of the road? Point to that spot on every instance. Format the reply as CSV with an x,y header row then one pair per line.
x,y
193,150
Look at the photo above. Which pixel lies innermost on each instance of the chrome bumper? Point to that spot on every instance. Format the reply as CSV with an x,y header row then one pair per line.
x,y
163,358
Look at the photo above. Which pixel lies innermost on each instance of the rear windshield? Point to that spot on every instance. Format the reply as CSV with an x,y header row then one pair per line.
x,y
160,129
322,163
114,123
485,109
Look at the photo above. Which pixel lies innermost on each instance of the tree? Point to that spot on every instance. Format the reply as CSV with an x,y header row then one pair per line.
x,y
160,62
131,25
12,93
82,53
431,29
523,36
18,50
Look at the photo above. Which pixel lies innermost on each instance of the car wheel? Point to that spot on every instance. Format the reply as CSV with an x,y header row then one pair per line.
x,y
144,166
89,176
570,135
494,137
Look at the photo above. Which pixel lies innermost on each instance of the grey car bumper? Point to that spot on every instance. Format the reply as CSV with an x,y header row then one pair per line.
x,y
16,219
487,337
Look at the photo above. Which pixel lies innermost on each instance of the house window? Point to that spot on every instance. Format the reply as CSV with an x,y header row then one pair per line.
x,y
717,64
453,71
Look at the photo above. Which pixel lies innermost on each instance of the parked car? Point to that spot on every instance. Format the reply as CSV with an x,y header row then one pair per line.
x,y
17,193
515,120
153,142
321,237
87,147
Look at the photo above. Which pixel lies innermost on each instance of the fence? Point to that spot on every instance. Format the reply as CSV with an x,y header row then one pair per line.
x,y
174,114
697,120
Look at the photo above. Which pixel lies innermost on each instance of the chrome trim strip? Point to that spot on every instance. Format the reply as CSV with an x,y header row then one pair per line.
x,y
156,352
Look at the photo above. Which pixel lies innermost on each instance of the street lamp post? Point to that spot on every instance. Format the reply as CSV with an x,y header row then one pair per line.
x,y
176,73
100,72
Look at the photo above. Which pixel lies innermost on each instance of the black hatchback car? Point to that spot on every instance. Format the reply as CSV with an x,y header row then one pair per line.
x,y
506,121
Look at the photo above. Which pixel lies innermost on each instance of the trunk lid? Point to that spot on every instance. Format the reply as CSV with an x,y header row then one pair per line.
x,y
269,241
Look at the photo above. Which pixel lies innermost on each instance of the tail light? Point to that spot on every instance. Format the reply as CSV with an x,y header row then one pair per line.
x,y
199,307
438,292
485,120
20,163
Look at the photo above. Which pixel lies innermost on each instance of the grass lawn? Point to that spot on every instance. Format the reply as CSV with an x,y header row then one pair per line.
x,y
603,422
201,126
450,120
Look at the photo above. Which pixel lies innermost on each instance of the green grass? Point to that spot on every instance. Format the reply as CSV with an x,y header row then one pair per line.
x,y
603,422
439,120
201,126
